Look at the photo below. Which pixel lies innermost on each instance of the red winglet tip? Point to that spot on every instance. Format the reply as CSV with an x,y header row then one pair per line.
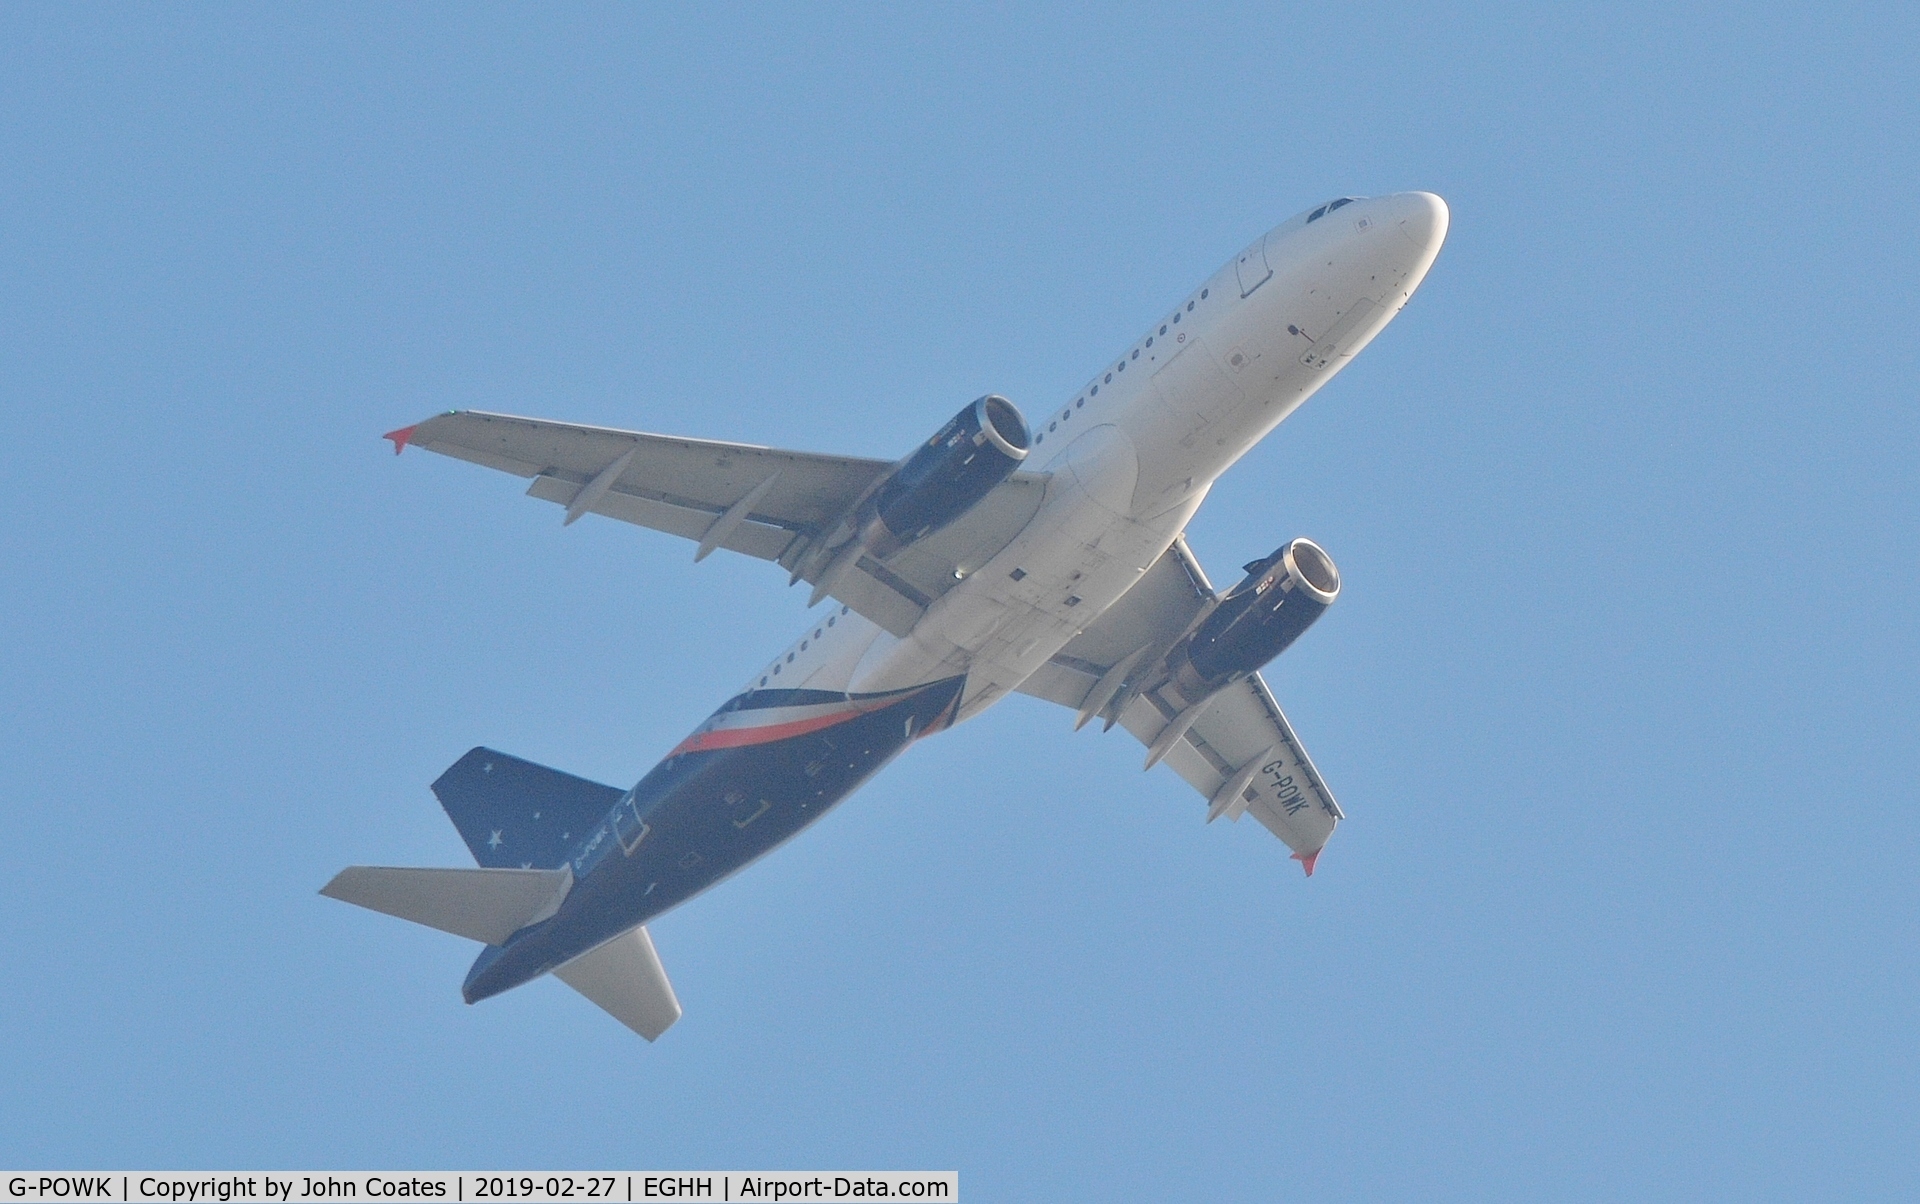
x,y
1306,860
400,438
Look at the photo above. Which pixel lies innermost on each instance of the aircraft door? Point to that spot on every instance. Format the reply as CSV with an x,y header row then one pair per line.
x,y
627,825
1251,268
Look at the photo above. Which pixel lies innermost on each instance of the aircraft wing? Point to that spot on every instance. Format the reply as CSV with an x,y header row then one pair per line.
x,y
1241,754
759,501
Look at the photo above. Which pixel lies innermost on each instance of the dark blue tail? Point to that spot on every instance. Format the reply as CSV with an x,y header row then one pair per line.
x,y
515,814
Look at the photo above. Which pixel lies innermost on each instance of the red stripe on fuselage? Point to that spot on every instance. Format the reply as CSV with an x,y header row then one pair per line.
x,y
741,737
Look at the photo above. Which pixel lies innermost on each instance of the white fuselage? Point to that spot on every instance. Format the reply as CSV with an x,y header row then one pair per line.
x,y
1133,454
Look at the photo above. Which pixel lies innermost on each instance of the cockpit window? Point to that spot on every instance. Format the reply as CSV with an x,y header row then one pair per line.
x,y
1329,207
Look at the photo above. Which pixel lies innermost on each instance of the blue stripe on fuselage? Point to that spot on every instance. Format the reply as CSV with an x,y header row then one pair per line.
x,y
699,816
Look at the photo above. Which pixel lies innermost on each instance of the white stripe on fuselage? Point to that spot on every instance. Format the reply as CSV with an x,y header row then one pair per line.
x,y
1133,454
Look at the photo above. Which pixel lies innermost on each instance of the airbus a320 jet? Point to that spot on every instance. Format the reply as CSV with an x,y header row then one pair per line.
x,y
1001,555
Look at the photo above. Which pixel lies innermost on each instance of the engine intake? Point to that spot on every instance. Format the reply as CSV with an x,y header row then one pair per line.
x,y
949,474
1257,620
935,484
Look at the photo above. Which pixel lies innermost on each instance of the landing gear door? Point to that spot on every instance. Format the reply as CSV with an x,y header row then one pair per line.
x,y
1251,267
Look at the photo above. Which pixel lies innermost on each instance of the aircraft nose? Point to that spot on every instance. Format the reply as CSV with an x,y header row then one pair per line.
x,y
1421,217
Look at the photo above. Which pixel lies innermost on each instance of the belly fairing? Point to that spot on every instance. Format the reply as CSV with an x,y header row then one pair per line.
x,y
761,768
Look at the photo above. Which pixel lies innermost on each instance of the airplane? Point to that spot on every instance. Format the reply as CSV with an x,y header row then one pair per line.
x,y
1000,556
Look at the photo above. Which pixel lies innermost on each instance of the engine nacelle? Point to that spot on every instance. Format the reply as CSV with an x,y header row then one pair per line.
x,y
1279,598
949,473
941,480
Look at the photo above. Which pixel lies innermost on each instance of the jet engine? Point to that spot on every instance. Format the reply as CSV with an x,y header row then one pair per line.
x,y
1279,598
935,484
948,474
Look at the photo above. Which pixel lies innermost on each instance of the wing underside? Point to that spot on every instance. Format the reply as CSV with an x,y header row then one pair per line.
x,y
758,501
1241,754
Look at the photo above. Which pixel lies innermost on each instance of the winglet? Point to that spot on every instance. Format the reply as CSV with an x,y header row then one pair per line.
x,y
400,437
1306,860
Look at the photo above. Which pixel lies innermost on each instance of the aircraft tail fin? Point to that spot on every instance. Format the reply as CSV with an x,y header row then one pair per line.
x,y
516,814
625,977
487,905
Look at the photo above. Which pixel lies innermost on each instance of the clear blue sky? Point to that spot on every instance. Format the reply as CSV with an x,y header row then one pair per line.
x,y
1620,697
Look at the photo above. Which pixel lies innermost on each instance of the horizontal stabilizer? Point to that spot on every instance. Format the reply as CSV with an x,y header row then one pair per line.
x,y
486,905
625,977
